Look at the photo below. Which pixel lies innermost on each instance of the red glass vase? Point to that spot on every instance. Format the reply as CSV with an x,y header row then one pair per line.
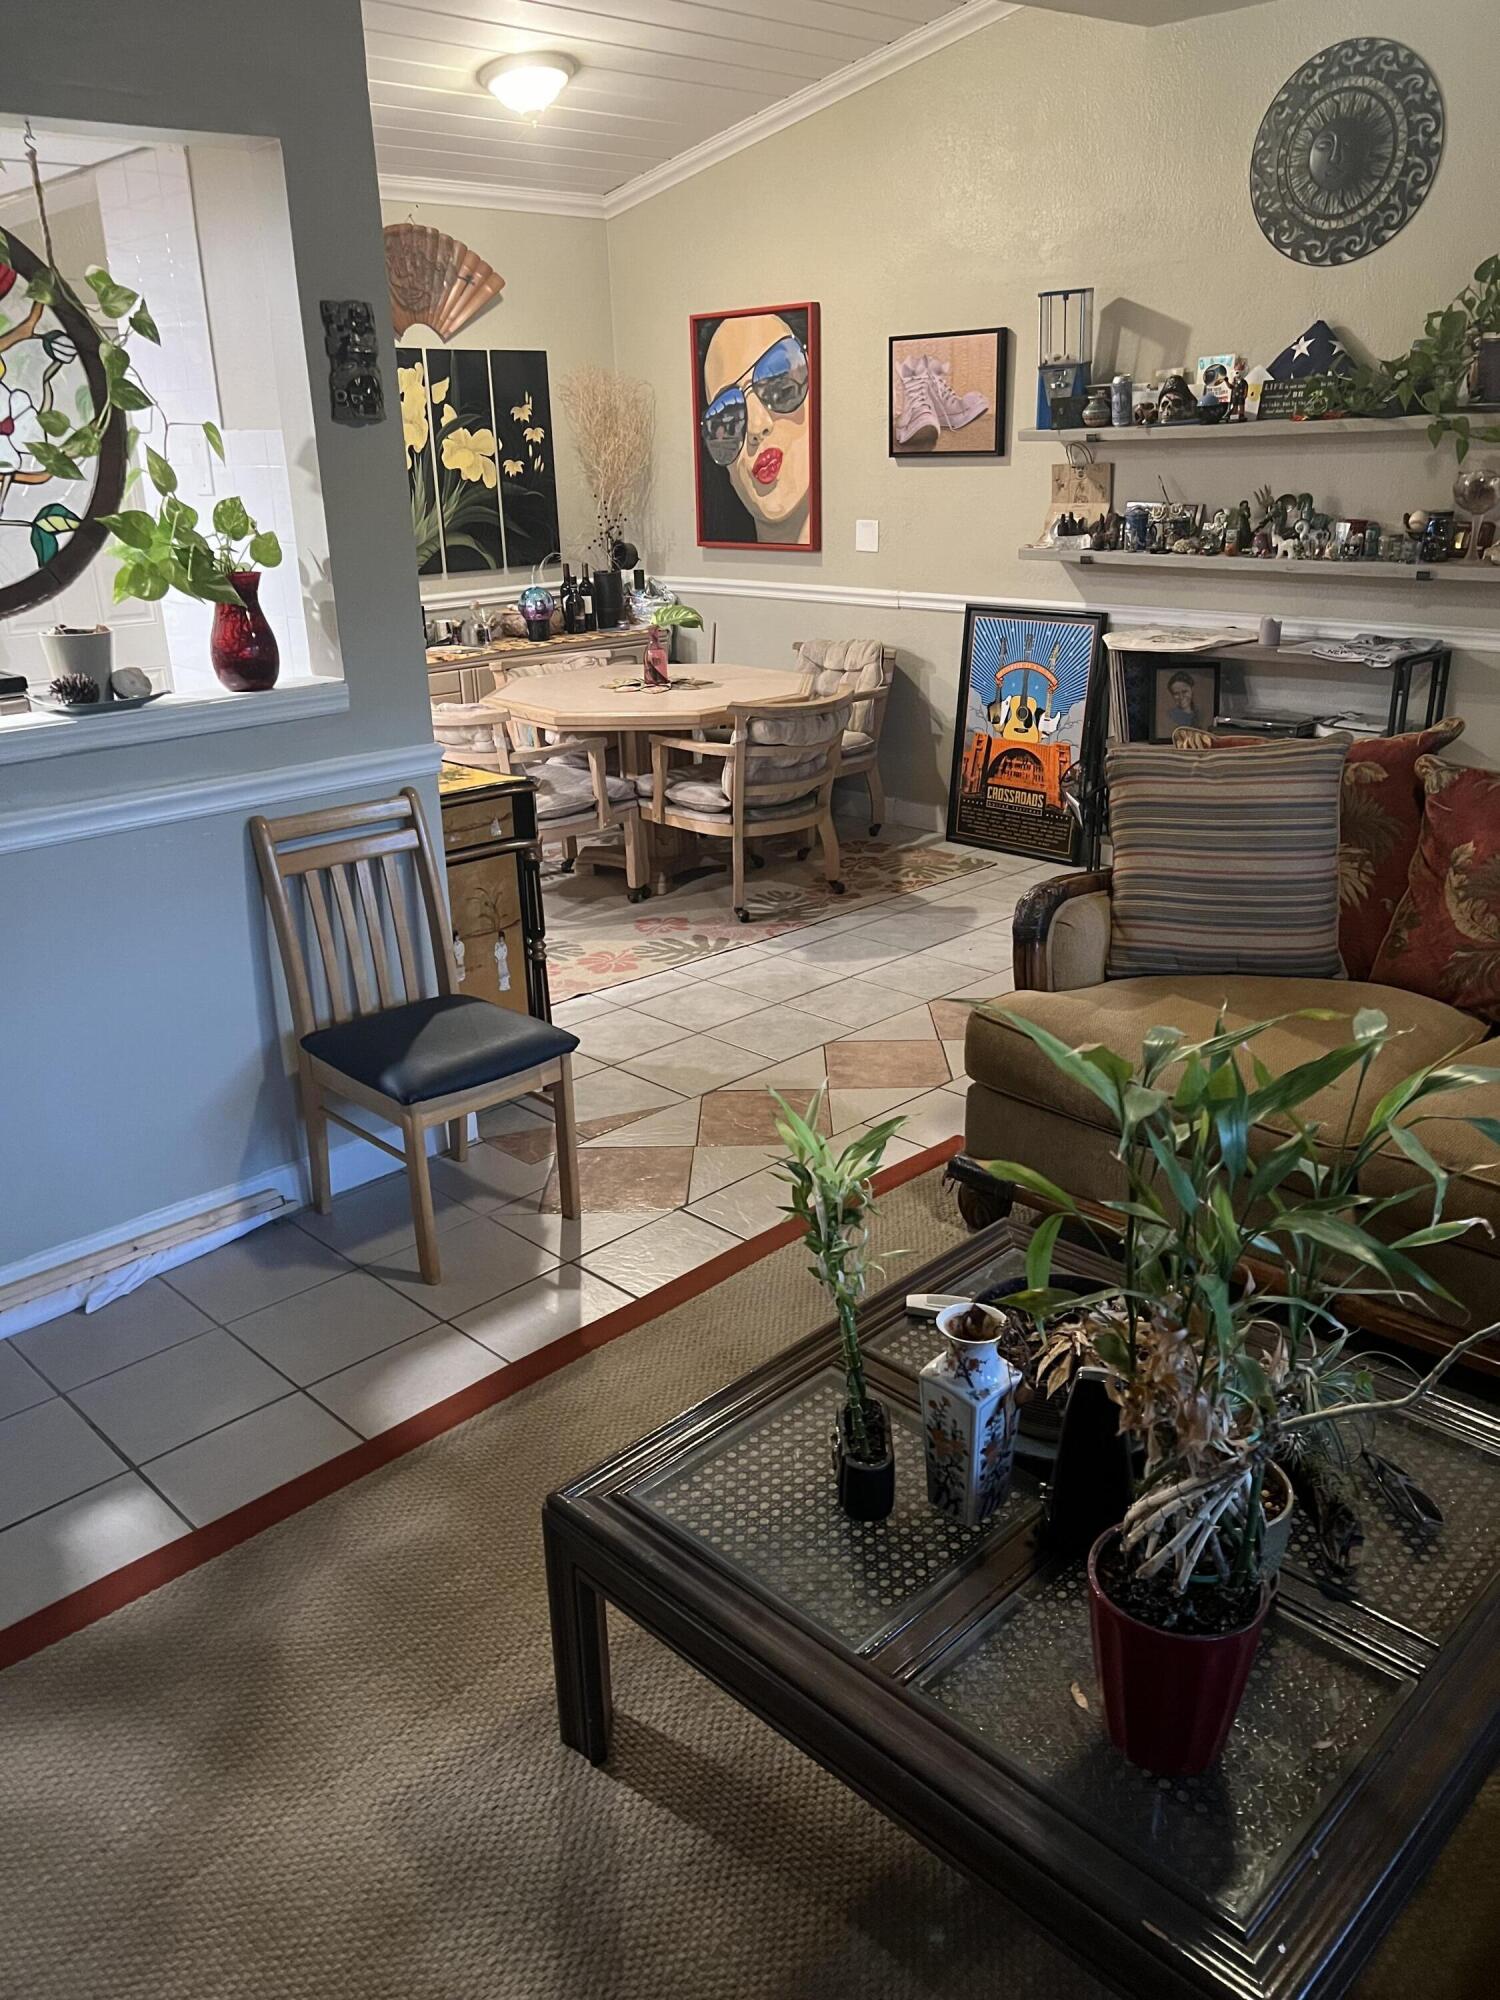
x,y
243,647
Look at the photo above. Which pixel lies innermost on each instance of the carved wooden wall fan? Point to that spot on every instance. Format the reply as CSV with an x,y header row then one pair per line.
x,y
435,280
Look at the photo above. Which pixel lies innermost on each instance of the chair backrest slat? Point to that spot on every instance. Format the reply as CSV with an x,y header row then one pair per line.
x,y
342,857
369,897
395,895
354,943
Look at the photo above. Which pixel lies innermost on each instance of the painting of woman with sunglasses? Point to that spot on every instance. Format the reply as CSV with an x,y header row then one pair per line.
x,y
756,405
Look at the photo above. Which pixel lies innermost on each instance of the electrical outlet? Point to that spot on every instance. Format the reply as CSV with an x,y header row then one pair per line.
x,y
354,385
867,537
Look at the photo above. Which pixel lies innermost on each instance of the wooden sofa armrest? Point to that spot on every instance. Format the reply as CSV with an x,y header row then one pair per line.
x,y
1061,933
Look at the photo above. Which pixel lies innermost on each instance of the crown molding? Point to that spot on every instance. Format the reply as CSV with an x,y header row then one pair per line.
x,y
477,194
856,76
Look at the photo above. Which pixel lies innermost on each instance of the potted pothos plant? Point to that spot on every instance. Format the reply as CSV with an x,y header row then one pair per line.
x,y
1453,360
663,622
1223,1385
159,545
833,1197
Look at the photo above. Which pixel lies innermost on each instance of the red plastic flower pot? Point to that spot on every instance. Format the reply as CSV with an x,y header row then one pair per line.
x,y
1170,1698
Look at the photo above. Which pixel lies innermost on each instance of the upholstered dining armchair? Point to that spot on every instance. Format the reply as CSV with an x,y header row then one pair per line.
x,y
862,669
576,792
776,775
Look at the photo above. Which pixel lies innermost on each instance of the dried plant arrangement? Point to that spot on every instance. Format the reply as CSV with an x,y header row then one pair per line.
x,y
613,422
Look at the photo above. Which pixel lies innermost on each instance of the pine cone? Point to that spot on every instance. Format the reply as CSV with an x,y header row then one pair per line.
x,y
77,690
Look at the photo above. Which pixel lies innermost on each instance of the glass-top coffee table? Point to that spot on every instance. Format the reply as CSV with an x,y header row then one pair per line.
x,y
946,1673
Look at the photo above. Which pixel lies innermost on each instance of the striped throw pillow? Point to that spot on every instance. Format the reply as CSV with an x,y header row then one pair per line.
x,y
1225,860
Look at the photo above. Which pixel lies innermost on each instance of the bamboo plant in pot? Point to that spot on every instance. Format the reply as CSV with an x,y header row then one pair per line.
x,y
833,1198
1220,1383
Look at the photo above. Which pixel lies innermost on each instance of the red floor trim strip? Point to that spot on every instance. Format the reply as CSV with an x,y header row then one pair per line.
x,y
96,1600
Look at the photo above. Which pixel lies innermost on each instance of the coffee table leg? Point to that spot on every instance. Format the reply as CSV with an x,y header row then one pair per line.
x,y
580,1654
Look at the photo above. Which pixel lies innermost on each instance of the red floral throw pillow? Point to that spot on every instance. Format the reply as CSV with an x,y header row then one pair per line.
x,y
1380,819
1380,822
1444,939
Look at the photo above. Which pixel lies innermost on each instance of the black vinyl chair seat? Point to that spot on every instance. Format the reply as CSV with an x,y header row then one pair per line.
x,y
432,1048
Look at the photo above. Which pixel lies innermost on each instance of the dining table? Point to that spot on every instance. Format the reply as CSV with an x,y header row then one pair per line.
x,y
611,700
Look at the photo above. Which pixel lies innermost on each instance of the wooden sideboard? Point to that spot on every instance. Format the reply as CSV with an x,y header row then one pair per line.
x,y
495,887
469,673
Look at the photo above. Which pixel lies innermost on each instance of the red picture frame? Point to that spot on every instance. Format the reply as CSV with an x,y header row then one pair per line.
x,y
773,499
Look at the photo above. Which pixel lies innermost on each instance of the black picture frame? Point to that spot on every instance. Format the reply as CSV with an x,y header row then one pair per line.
x,y
987,375
1017,786
1165,716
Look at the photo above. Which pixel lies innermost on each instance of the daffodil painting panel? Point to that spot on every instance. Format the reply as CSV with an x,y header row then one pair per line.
x,y
477,426
58,470
523,426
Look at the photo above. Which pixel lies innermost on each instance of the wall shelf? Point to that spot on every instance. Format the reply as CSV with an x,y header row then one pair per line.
x,y
1270,431
1411,574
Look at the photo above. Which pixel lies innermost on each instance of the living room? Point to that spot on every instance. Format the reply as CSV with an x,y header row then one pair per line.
x,y
695,1043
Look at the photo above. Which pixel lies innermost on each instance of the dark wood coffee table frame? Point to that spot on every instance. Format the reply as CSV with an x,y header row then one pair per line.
x,y
854,1715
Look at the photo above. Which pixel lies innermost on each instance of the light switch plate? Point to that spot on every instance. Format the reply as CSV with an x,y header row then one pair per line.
x,y
867,537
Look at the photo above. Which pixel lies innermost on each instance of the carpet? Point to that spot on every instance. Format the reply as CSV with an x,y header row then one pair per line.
x,y
596,939
325,1765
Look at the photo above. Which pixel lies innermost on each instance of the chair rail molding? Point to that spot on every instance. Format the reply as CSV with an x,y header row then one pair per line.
x,y
207,798
951,604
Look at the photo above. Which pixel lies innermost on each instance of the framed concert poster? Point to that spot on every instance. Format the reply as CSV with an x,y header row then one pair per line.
x,y
756,420
1033,707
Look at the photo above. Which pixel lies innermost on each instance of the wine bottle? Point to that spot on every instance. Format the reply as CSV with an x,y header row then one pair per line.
x,y
569,597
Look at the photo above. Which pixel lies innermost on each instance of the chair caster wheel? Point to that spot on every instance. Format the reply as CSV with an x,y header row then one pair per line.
x,y
874,829
743,915
836,888
757,860
803,852
636,895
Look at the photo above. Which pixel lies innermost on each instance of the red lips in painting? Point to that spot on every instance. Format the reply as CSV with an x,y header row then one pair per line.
x,y
767,467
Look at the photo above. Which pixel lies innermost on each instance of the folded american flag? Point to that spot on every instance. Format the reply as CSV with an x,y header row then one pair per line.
x,y
1316,352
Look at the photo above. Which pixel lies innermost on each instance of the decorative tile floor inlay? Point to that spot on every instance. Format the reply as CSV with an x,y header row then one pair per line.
x,y
121,1429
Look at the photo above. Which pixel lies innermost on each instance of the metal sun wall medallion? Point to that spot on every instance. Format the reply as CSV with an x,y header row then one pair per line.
x,y
1347,152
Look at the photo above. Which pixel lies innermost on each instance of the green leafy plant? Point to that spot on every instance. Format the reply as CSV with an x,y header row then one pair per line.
x,y
157,548
833,1197
680,616
1432,377
1214,1376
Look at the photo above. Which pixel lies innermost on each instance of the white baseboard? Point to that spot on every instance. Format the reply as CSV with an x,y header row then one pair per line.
x,y
351,1165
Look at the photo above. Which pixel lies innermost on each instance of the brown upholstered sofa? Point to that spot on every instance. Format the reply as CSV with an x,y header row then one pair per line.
x,y
1020,1107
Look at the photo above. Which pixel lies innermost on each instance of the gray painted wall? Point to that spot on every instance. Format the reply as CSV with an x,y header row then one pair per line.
x,y
138,1062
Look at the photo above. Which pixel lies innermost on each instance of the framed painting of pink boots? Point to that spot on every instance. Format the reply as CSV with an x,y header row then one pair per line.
x,y
947,394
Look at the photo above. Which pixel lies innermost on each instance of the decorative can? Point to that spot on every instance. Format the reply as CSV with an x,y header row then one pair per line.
x,y
969,1417
1121,400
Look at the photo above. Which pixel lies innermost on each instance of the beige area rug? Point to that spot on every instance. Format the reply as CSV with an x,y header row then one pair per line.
x,y
596,939
325,1766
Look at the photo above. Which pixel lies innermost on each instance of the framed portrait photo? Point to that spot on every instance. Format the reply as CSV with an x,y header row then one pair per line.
x,y
756,428
947,394
1183,696
1033,705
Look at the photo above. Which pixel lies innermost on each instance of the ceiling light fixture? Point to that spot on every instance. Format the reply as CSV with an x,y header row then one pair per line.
x,y
527,84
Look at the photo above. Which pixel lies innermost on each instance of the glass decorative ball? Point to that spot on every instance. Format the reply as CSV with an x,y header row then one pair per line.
x,y
535,603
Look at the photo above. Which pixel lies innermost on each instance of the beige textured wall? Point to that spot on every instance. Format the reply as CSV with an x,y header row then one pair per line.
x,y
1044,151
556,297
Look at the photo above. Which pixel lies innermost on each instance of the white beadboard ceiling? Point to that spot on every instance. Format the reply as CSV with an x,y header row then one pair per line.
x,y
663,87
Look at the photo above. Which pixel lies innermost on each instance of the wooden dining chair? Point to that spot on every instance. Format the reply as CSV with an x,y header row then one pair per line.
x,y
357,907
778,764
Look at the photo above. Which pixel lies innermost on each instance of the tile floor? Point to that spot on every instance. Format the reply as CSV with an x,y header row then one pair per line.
x,y
121,1429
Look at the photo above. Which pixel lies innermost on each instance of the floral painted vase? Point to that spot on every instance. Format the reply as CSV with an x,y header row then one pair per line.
x,y
969,1420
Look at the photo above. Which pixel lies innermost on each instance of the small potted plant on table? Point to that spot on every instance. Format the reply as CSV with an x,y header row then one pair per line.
x,y
1219,1382
833,1197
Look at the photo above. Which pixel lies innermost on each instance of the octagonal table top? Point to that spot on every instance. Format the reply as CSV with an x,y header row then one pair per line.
x,y
583,700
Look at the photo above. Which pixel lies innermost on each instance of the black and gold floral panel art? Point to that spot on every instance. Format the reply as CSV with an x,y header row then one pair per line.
x,y
1347,152
477,424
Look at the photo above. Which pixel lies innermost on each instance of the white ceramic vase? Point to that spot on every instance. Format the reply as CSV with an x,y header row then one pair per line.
x,y
969,1420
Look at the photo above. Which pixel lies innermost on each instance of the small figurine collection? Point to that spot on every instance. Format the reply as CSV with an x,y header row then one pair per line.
x,y
1285,525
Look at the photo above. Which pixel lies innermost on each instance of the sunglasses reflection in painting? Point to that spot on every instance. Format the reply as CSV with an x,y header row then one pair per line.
x,y
756,412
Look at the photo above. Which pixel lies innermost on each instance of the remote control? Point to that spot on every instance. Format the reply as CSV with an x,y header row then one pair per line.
x,y
927,1305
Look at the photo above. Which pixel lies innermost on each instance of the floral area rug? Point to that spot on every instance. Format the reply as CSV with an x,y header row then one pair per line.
x,y
596,939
